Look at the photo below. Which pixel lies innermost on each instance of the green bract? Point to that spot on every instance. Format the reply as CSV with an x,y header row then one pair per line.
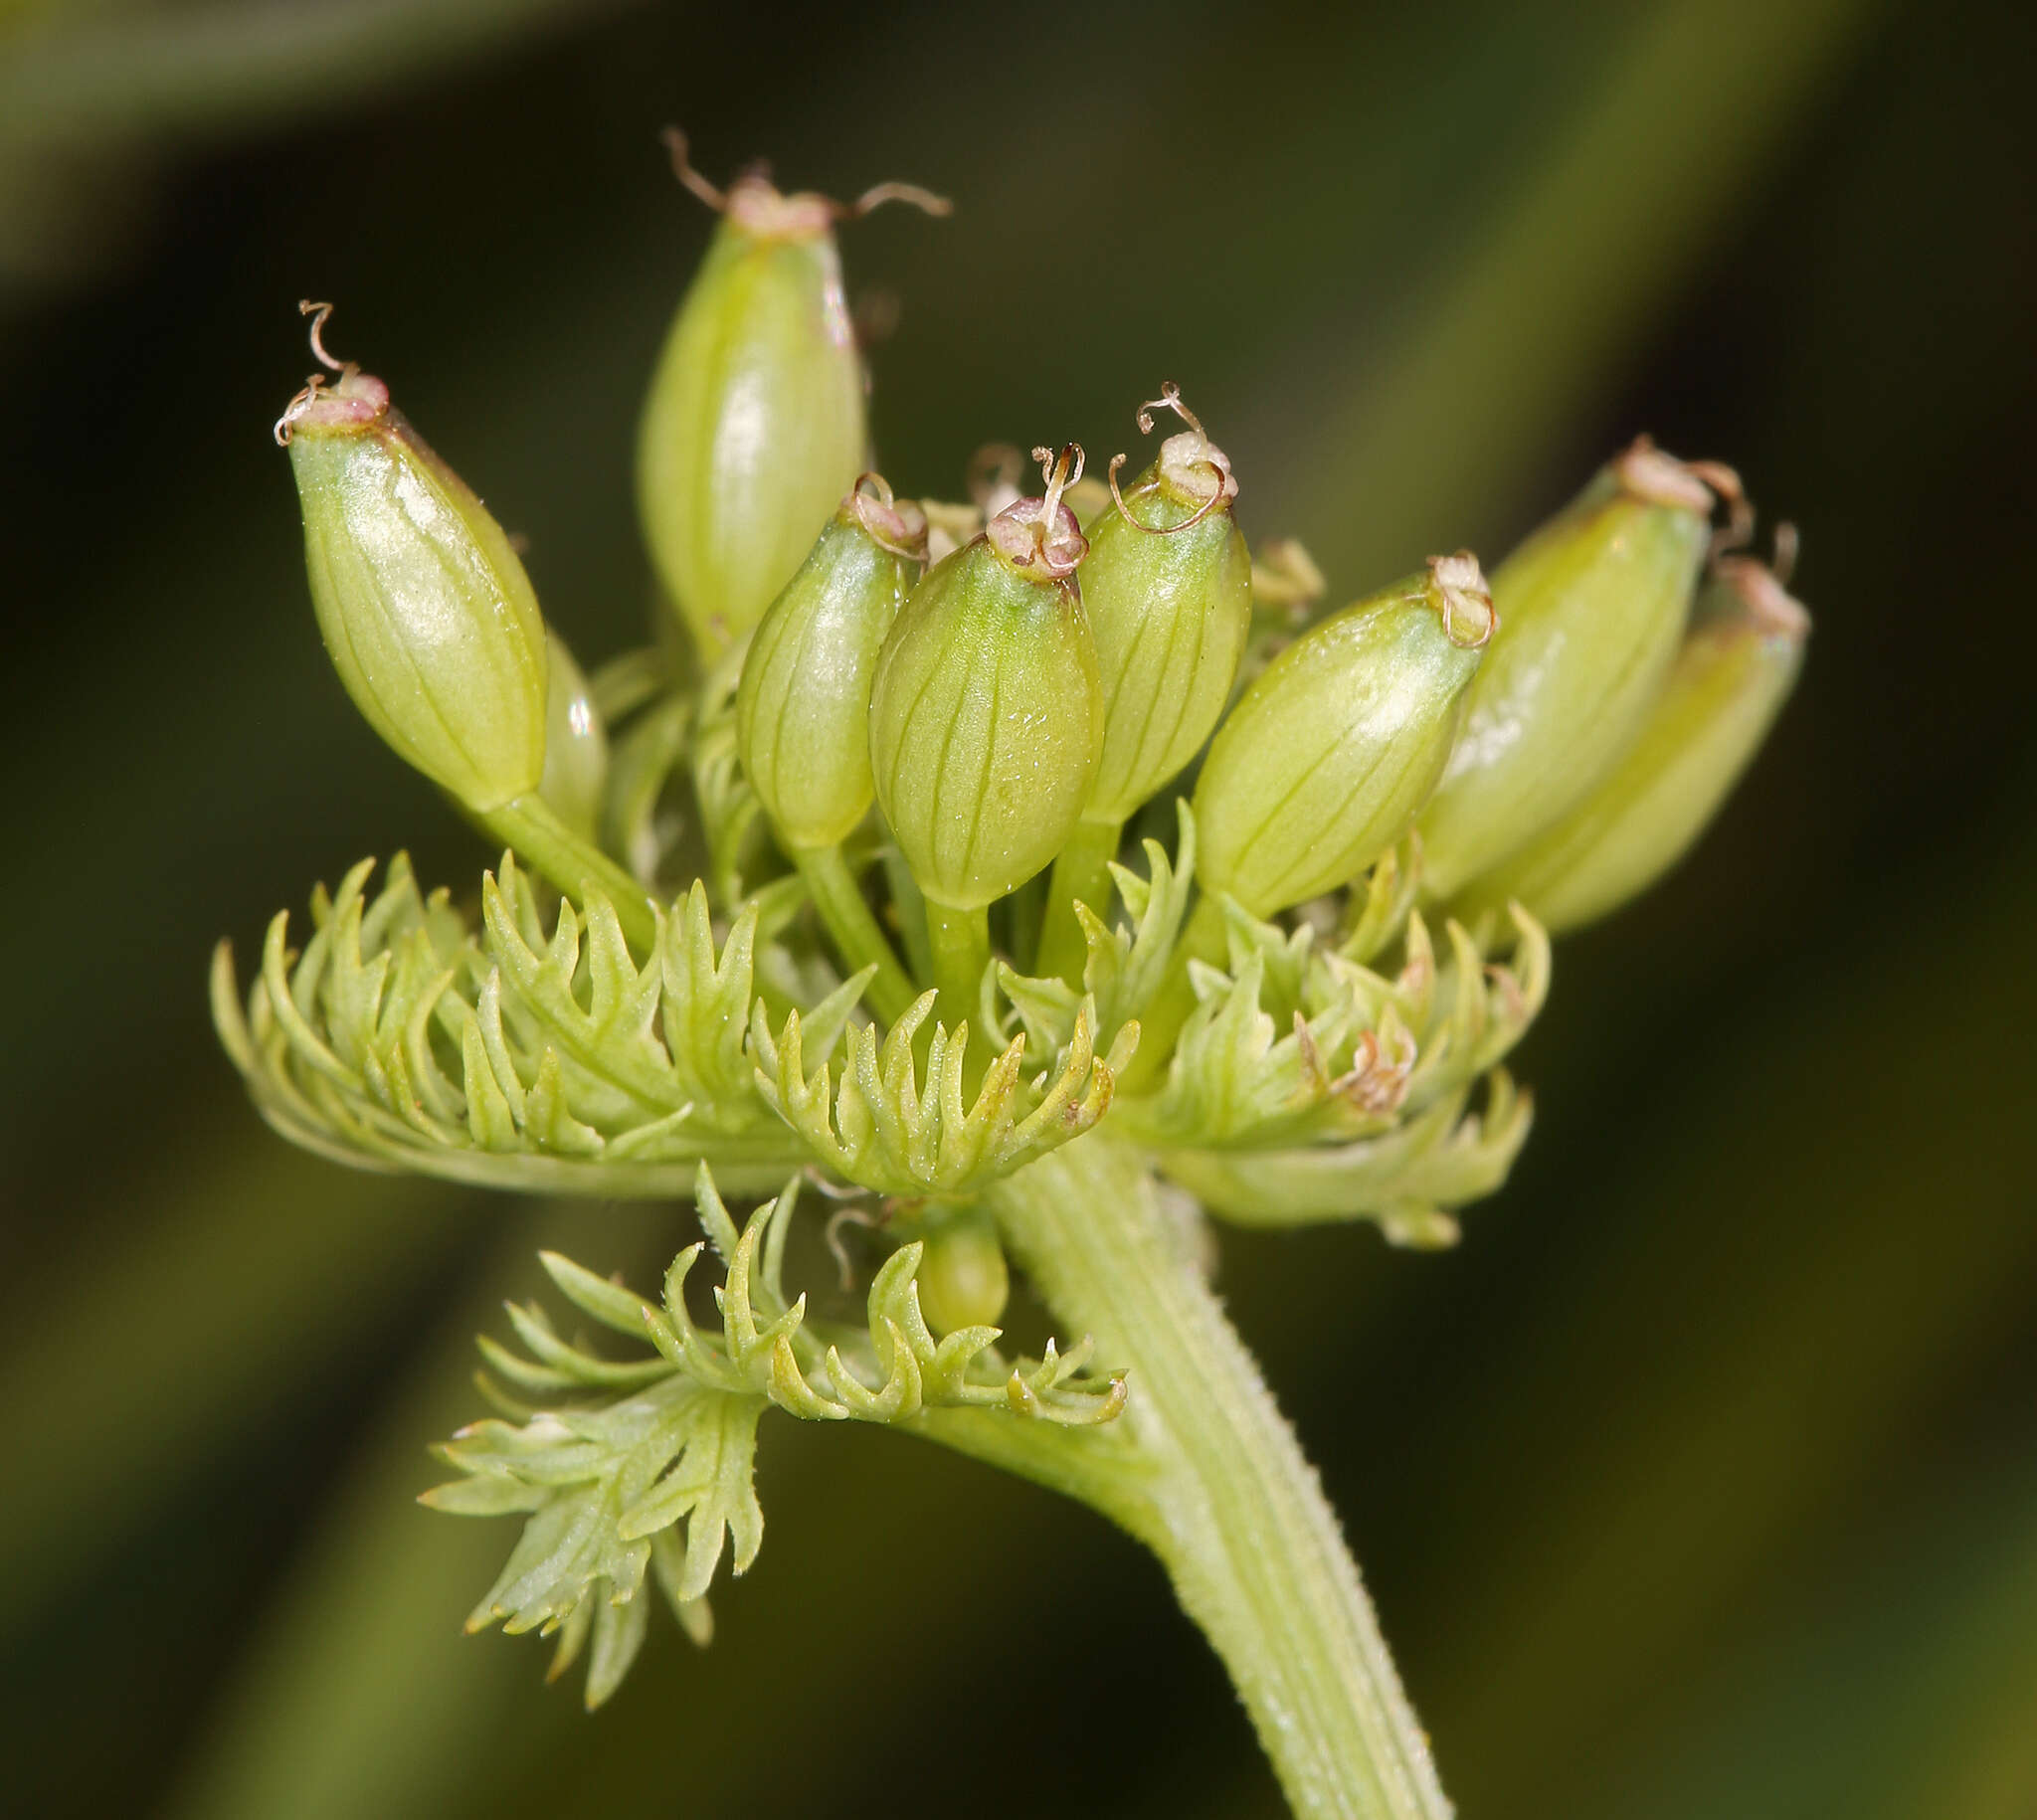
x,y
1592,609
424,607
803,712
1729,682
1327,756
988,717
1168,588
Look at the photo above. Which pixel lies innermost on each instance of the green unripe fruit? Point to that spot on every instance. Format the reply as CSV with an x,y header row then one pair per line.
x,y
1169,593
424,607
576,744
964,1280
1591,611
754,427
1329,755
1728,684
987,716
803,711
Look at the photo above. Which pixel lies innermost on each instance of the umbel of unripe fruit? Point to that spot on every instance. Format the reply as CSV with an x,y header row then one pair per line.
x,y
1169,592
986,718
838,954
803,711
422,603
964,1280
754,427
1592,609
1326,756
1728,684
1168,587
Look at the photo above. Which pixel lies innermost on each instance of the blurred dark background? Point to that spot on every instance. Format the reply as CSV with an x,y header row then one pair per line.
x,y
1701,1480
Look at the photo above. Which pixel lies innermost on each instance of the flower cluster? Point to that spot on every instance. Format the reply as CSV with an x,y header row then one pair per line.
x,y
960,833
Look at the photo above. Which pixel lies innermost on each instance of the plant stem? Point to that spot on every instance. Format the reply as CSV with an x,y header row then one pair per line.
x,y
960,942
1082,874
571,862
1221,1491
1024,911
858,938
911,909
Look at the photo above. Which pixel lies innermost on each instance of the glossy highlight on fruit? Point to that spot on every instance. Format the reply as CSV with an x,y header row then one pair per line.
x,y
576,772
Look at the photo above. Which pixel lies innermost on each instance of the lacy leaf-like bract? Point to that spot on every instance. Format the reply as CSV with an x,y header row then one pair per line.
x,y
613,1456
1328,1069
1360,1110
519,1059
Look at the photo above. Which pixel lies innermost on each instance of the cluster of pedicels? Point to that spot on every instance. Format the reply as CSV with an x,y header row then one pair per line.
x,y
874,787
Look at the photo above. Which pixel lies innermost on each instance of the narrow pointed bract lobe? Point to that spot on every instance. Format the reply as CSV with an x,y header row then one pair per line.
x,y
424,605
1329,755
987,717
1170,601
1729,682
1591,611
803,710
754,426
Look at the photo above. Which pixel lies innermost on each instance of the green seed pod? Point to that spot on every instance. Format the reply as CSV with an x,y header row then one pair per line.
x,y
964,1280
425,609
754,427
1592,607
1169,594
803,711
1727,684
1329,755
576,744
987,716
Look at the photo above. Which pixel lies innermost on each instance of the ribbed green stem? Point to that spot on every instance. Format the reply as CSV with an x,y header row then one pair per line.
x,y
572,863
961,943
1219,1488
1081,875
858,938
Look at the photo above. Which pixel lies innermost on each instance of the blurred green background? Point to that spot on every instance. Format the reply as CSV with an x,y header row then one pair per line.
x,y
1701,1480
